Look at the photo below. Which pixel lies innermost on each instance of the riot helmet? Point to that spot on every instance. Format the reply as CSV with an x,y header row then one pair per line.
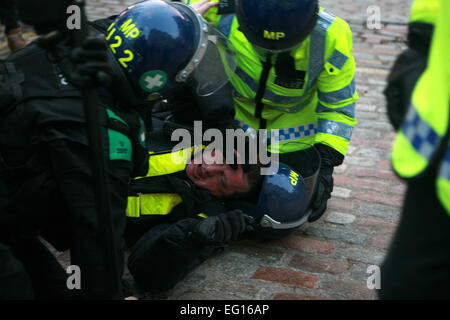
x,y
285,196
157,47
276,25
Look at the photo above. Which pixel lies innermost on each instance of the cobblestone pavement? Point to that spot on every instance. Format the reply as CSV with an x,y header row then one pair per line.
x,y
329,258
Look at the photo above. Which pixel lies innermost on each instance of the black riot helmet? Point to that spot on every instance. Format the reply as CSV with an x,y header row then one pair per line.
x,y
156,47
276,25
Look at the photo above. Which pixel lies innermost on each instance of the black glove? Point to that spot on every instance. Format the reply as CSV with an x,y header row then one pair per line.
x,y
322,194
329,159
91,62
406,71
402,79
220,230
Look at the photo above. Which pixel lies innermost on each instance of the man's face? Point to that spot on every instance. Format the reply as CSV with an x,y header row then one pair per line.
x,y
219,179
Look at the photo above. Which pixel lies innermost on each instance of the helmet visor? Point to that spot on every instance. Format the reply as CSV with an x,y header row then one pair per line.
x,y
216,65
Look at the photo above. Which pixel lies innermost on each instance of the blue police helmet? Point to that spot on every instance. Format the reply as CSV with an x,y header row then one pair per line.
x,y
283,197
283,204
276,25
160,45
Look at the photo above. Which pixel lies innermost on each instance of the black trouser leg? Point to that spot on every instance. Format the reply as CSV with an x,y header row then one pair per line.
x,y
418,262
15,283
47,275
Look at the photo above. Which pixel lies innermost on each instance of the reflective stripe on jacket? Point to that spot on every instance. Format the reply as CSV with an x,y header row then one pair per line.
x,y
159,203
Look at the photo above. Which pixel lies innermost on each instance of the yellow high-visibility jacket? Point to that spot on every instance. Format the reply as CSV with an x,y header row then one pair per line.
x,y
425,11
426,127
322,110
143,203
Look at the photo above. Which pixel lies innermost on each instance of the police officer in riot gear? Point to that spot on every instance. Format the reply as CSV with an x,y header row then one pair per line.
x,y
45,173
47,177
189,76
295,75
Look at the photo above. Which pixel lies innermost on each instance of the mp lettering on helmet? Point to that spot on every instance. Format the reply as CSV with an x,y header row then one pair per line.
x,y
129,29
294,177
274,35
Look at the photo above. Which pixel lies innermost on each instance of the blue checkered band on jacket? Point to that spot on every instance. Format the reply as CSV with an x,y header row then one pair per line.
x,y
298,132
306,131
248,129
285,134
338,59
444,171
419,133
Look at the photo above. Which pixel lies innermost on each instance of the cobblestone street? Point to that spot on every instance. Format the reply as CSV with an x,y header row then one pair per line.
x,y
327,259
